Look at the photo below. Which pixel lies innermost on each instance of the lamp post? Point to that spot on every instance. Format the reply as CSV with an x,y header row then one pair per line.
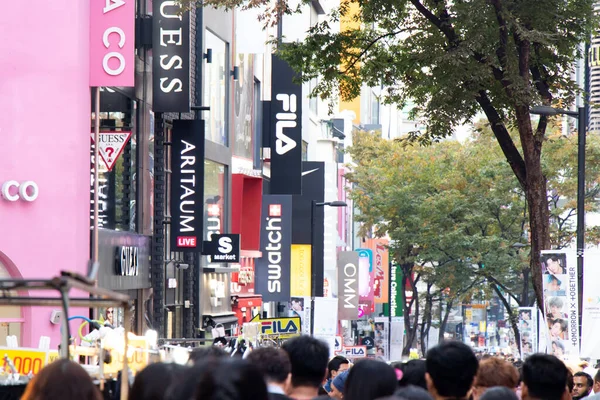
x,y
313,271
581,116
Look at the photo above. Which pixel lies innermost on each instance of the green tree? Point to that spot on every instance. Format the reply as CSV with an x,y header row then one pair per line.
x,y
454,59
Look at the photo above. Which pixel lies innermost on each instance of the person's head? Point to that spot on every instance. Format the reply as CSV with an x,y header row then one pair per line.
x,y
309,358
274,364
451,368
558,327
558,349
200,354
152,382
220,378
526,315
338,384
554,266
555,306
494,372
380,351
553,283
597,382
109,314
297,303
527,347
413,373
337,365
411,392
582,385
544,377
370,379
499,393
55,381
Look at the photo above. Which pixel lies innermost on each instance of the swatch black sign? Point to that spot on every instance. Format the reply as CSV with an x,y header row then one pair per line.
x,y
286,130
187,185
171,57
272,270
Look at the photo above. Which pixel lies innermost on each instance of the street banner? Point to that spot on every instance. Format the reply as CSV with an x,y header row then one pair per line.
x,y
170,57
300,307
326,321
382,337
365,285
112,43
380,269
187,196
272,275
286,129
590,345
330,232
396,338
300,267
396,304
348,282
528,329
281,327
559,277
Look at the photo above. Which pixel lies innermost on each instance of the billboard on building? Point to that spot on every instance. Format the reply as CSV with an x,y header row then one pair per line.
x,y
273,268
381,269
348,284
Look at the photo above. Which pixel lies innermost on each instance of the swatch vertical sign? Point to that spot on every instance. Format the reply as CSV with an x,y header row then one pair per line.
x,y
348,283
112,43
187,185
286,129
171,57
273,268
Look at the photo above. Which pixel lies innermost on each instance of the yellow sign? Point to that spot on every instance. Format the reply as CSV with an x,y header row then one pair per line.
x,y
282,327
300,270
25,360
137,356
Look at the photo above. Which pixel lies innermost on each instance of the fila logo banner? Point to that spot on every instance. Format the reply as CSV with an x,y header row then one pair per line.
x,y
286,129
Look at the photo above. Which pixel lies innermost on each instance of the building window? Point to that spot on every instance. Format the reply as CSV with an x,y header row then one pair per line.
x,y
215,195
242,107
258,123
215,94
304,150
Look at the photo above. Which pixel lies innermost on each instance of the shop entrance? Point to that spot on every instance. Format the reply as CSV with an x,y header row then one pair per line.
x,y
10,316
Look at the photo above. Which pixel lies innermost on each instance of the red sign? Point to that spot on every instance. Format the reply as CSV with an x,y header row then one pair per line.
x,y
112,42
186,241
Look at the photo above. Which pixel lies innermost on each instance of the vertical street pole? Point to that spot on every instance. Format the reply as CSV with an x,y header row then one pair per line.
x,y
94,265
581,128
313,270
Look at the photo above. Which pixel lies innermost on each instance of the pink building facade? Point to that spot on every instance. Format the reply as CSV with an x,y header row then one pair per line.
x,y
44,152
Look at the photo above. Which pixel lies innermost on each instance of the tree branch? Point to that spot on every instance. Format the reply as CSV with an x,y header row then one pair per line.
x,y
366,49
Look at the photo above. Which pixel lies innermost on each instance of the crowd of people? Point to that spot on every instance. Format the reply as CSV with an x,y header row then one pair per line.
x,y
303,370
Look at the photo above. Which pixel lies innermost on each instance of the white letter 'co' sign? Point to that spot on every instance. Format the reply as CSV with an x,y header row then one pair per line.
x,y
26,191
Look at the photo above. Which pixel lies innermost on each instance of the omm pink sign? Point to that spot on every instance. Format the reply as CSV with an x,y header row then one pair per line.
x,y
112,41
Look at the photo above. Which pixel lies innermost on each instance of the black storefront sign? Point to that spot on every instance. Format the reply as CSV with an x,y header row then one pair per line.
x,y
223,248
127,261
313,188
286,130
272,270
187,185
171,58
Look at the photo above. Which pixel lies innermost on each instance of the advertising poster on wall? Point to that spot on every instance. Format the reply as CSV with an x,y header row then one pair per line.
x,y
590,321
382,337
396,338
559,277
325,320
300,307
381,269
528,330
365,281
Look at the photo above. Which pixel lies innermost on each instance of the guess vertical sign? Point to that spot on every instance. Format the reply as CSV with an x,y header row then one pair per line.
x,y
112,42
187,185
171,57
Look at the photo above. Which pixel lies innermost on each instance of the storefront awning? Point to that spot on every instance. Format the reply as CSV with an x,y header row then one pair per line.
x,y
224,319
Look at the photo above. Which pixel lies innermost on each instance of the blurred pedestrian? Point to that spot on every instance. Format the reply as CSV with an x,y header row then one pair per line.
x,y
309,358
499,393
369,380
451,369
413,373
494,372
152,382
275,366
544,378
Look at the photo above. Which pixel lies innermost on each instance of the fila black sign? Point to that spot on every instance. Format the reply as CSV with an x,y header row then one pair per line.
x,y
171,57
286,130
187,185
272,270
223,248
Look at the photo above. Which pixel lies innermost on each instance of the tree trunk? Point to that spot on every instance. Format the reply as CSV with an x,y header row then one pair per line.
x,y
426,320
444,321
411,330
513,318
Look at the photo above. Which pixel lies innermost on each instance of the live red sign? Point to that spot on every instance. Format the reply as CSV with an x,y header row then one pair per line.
x,y
186,241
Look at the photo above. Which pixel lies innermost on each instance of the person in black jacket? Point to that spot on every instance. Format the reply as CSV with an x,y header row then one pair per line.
x,y
275,366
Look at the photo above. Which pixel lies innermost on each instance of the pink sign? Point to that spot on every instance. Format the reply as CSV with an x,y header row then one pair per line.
x,y
112,42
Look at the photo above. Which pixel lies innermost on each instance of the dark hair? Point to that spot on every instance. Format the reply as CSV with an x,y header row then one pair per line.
x,y
273,363
452,367
412,392
335,364
206,352
309,357
597,376
499,393
56,381
497,372
220,379
563,324
369,380
152,382
590,381
545,376
413,373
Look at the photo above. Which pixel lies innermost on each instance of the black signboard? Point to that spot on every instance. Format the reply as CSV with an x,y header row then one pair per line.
x,y
223,248
171,58
187,185
272,270
286,130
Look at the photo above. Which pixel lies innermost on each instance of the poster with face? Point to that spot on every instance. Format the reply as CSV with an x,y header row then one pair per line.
x,y
559,279
381,337
528,331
